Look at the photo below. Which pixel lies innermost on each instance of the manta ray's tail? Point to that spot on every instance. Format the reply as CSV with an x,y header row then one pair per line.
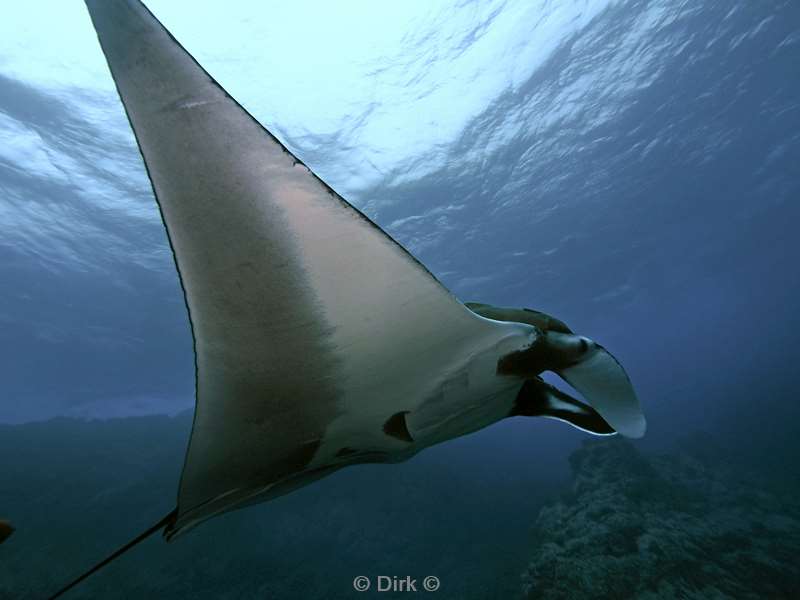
x,y
145,534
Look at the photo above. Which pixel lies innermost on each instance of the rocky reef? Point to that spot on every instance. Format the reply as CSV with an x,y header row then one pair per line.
x,y
683,525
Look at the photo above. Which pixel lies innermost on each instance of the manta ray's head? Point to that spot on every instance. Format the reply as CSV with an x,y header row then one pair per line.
x,y
610,404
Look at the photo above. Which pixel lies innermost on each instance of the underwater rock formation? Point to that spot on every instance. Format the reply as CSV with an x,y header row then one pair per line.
x,y
673,526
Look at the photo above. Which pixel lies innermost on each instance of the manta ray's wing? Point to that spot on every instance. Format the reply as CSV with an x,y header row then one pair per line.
x,y
307,318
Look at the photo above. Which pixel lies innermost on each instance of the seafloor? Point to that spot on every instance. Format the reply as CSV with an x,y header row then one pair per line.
x,y
692,523
685,525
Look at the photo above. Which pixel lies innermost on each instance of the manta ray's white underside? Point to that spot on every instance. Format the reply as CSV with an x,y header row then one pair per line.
x,y
319,340
312,326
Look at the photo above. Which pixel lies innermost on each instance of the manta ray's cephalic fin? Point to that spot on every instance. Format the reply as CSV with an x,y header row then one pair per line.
x,y
539,399
584,364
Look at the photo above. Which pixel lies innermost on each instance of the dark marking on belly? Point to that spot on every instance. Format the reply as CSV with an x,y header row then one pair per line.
x,y
6,529
542,355
396,427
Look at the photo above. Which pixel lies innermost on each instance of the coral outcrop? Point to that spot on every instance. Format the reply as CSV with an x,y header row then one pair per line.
x,y
672,526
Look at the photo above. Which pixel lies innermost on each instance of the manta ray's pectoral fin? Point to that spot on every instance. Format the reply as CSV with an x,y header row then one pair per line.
x,y
290,289
539,399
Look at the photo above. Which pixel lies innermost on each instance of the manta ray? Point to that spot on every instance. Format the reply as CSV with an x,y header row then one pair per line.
x,y
319,341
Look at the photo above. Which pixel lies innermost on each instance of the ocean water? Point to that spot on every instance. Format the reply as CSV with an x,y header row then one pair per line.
x,y
632,168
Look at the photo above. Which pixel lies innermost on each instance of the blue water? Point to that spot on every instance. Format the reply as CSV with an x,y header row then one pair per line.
x,y
641,182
